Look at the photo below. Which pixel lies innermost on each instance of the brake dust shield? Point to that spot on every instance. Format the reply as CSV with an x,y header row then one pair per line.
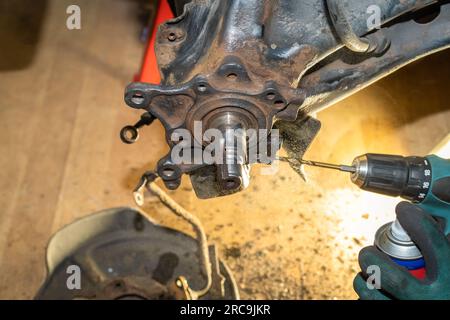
x,y
122,254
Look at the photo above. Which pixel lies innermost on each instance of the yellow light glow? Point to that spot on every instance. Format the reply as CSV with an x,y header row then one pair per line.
x,y
443,148
360,215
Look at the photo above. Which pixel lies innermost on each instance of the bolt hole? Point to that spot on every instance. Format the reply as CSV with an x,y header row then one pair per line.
x,y
138,98
232,76
270,96
172,37
201,87
129,135
279,103
168,172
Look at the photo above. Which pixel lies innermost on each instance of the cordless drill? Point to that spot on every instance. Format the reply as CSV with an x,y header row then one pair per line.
x,y
424,181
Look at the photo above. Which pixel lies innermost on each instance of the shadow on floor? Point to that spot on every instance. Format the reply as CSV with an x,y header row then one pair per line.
x,y
21,23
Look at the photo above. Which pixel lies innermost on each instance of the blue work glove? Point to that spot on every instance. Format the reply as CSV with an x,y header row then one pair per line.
x,y
396,282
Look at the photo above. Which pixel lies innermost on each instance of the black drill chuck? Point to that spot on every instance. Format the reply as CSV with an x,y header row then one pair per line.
x,y
407,177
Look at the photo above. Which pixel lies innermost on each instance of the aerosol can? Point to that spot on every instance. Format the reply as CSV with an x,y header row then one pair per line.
x,y
393,240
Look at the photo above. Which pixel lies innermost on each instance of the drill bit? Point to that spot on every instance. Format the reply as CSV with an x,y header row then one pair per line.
x,y
341,167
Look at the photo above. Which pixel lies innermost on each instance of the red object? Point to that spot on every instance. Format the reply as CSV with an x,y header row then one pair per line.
x,y
149,70
419,273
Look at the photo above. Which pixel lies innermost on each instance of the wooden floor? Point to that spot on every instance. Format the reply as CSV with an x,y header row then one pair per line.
x,y
61,108
59,119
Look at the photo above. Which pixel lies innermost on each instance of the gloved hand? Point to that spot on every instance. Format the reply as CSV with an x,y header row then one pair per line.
x,y
396,282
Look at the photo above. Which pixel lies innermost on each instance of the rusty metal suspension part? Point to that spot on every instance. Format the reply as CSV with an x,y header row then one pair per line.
x,y
259,64
345,30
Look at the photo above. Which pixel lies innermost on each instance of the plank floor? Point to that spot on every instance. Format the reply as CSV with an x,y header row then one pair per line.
x,y
61,108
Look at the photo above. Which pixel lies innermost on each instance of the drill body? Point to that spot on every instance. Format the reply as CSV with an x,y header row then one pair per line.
x,y
437,201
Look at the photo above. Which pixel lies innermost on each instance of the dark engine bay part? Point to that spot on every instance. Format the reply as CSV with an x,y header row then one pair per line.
x,y
121,254
257,65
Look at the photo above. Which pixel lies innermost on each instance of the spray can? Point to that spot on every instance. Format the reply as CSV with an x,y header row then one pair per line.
x,y
393,240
